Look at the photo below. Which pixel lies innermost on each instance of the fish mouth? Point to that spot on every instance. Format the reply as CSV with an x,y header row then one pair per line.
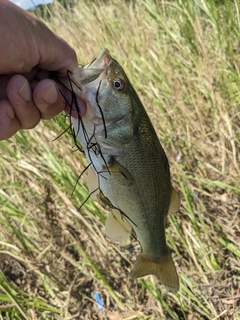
x,y
98,67
102,60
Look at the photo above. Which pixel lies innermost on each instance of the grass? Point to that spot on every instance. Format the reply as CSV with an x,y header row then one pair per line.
x,y
183,59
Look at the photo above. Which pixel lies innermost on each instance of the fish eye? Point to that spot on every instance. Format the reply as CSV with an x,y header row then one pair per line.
x,y
118,84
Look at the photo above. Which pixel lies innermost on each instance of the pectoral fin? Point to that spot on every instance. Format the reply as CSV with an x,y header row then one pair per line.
x,y
163,268
118,173
174,202
117,228
92,182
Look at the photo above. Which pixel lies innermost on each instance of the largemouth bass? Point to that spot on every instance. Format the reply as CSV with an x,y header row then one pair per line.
x,y
128,164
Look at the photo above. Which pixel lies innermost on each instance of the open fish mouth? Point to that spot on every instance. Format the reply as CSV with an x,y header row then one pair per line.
x,y
94,69
90,75
102,59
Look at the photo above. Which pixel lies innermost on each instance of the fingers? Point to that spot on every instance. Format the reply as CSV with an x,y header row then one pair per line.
x,y
44,101
9,124
19,95
24,107
26,104
48,99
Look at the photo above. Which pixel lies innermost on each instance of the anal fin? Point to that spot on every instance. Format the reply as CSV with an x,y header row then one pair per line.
x,y
117,228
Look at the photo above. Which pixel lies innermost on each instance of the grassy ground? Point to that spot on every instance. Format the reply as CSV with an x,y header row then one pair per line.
x,y
183,58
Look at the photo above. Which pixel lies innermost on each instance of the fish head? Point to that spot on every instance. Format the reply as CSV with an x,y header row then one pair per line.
x,y
105,88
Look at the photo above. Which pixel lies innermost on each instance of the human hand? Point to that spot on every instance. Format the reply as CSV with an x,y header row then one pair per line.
x,y
30,52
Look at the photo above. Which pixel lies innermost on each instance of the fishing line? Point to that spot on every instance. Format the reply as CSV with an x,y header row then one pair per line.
x,y
100,109
89,196
81,124
96,151
70,104
92,144
122,213
68,128
101,155
80,176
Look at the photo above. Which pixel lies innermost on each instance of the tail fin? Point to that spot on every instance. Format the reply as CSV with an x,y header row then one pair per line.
x,y
163,268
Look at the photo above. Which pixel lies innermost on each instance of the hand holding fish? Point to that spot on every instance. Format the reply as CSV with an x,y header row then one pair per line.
x,y
29,53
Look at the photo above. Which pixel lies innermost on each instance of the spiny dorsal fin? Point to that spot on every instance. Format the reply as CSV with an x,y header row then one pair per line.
x,y
174,202
116,227
92,182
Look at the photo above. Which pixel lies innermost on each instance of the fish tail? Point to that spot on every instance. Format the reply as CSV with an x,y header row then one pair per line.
x,y
163,268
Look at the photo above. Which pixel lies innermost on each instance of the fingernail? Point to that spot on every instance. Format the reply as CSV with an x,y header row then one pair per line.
x,y
10,112
51,95
25,92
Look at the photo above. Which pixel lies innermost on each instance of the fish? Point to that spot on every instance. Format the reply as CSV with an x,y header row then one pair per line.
x,y
127,164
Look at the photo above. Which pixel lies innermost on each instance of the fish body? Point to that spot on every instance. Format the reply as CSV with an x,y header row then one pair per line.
x,y
128,163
